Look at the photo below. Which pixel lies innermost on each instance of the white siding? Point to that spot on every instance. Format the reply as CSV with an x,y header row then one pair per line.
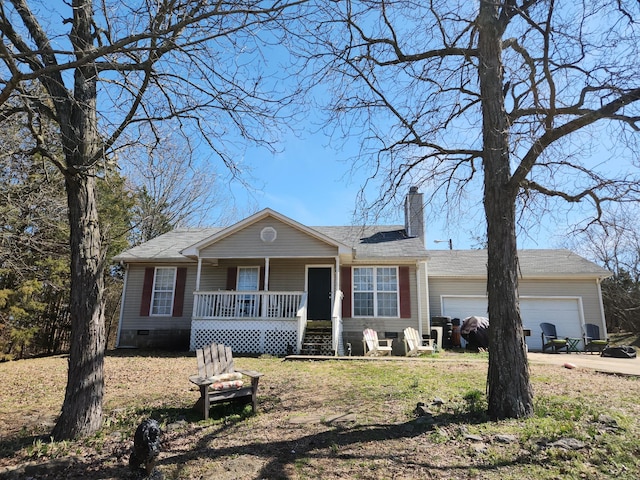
x,y
288,274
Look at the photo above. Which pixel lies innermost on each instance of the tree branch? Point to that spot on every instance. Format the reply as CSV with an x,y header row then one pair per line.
x,y
607,111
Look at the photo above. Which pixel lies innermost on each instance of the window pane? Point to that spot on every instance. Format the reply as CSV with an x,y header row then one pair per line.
x,y
386,279
375,291
363,279
387,304
164,279
363,304
162,303
248,278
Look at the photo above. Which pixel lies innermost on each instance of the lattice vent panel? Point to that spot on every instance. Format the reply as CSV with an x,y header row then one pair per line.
x,y
245,341
276,342
255,337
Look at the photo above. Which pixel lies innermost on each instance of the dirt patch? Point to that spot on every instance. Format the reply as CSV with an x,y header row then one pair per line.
x,y
324,420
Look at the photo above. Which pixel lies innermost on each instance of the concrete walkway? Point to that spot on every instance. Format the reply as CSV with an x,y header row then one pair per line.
x,y
620,366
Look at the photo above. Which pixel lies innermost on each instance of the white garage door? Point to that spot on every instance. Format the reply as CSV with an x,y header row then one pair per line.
x,y
463,307
565,313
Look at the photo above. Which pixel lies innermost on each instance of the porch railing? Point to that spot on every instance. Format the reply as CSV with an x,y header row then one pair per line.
x,y
235,304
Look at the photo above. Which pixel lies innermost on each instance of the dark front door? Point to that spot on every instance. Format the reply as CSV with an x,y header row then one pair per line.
x,y
319,293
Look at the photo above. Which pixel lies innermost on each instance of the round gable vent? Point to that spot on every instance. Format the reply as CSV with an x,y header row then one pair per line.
x,y
268,234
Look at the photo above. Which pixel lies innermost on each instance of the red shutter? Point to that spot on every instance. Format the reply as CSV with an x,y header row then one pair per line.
x,y
261,279
178,298
232,275
147,290
405,292
345,284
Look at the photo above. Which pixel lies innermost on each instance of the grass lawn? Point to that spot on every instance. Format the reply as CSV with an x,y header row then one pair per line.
x,y
327,420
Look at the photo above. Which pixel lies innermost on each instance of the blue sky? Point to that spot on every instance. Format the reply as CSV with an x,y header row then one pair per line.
x,y
310,183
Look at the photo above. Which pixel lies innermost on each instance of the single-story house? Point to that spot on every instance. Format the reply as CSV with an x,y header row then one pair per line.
x,y
262,283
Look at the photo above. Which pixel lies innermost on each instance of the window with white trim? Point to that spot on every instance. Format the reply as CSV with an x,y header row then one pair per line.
x,y
164,287
375,292
248,278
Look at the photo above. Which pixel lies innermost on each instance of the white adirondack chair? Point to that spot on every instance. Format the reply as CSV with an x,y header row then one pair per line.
x,y
414,345
374,347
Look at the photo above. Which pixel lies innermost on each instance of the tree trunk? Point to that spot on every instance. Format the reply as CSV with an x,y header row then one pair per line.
x,y
82,409
508,385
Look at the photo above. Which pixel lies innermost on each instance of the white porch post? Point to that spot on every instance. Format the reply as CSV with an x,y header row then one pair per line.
x,y
198,274
195,299
419,288
426,293
266,287
336,320
338,280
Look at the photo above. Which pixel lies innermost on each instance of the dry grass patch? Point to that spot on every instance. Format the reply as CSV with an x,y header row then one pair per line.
x,y
299,433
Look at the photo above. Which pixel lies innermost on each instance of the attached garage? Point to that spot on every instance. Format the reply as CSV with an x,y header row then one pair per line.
x,y
566,313
555,286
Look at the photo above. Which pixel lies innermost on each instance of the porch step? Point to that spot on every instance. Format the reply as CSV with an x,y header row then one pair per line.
x,y
317,349
317,324
317,339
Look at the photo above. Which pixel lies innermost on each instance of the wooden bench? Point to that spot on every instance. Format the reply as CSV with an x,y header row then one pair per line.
x,y
217,380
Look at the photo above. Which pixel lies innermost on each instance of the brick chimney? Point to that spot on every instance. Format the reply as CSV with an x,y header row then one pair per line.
x,y
414,213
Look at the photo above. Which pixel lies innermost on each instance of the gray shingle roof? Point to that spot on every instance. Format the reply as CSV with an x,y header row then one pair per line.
x,y
167,247
369,242
533,263
389,241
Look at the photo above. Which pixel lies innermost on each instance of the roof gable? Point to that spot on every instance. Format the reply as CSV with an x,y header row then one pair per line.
x,y
262,218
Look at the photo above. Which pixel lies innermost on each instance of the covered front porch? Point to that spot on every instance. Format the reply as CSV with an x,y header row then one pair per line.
x,y
249,322
266,321
260,282
257,322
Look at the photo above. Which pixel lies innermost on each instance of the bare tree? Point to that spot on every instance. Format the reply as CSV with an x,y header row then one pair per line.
x,y
111,71
615,244
173,188
509,96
